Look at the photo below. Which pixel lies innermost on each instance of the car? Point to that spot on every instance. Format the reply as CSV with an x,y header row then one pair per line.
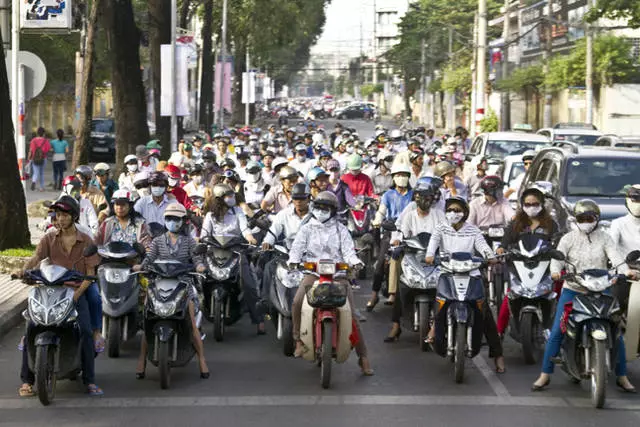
x,y
512,168
496,146
102,142
353,111
632,142
580,133
572,172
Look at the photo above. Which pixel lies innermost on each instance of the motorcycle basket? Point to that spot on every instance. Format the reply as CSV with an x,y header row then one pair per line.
x,y
327,295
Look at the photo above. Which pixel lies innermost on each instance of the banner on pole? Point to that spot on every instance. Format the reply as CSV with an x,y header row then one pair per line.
x,y
249,88
226,96
46,14
182,80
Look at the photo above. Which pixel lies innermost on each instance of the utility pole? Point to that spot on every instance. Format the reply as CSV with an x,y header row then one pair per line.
x,y
376,96
5,24
223,55
450,124
589,71
474,77
422,88
248,88
172,73
546,118
482,61
505,110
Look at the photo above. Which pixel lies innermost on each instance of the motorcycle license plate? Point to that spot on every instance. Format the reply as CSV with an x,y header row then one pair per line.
x,y
100,149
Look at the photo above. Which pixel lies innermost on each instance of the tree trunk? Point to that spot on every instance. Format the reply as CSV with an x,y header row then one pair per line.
x,y
159,33
536,95
443,113
206,87
83,133
14,230
526,104
237,106
129,101
184,13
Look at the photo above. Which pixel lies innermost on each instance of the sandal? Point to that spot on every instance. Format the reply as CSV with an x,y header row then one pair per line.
x,y
371,304
300,349
26,390
99,345
94,390
366,372
390,300
500,369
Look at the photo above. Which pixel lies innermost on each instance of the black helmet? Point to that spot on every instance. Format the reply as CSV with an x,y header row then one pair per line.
x,y
459,201
299,192
158,179
492,185
84,171
209,155
195,169
67,204
586,207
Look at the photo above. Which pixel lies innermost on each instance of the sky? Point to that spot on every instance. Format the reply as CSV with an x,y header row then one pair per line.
x,y
342,29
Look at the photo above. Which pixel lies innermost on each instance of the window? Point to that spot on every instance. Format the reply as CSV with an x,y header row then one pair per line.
x,y
544,133
606,177
477,146
545,170
501,149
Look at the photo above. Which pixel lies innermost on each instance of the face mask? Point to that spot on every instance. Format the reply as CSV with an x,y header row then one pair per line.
x,y
634,208
230,201
532,211
255,158
320,215
253,177
157,191
587,227
401,181
132,168
424,204
454,217
173,182
323,164
302,159
197,180
350,149
173,226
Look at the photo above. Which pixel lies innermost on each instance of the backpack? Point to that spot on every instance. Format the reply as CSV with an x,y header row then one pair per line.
x,y
38,156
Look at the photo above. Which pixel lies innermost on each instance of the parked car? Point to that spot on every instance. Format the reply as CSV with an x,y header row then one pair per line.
x,y
572,172
580,133
353,111
632,142
496,146
102,143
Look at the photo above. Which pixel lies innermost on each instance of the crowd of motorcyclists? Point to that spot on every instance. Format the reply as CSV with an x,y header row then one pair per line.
x,y
304,188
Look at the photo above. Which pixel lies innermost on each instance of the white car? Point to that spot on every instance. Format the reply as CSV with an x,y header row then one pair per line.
x,y
512,171
609,140
581,134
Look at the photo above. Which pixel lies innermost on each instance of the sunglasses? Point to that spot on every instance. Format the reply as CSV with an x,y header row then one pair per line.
x,y
172,218
455,210
102,173
527,163
585,219
531,205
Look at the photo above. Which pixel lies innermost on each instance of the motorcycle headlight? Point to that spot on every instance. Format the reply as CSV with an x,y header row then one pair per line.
x,y
458,266
116,275
58,312
219,273
326,268
166,309
37,311
496,232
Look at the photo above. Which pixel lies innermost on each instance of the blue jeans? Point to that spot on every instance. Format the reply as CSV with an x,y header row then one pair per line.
x,y
37,172
95,306
555,339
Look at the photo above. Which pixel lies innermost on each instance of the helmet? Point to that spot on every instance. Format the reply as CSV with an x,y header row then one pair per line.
x,y
383,155
479,162
444,168
288,172
159,179
396,134
491,184
175,209
67,204
84,171
314,173
528,155
121,195
460,201
415,154
325,153
221,190
299,192
428,185
131,158
532,191
209,155
253,167
400,168
586,207
317,139
333,164
632,200
173,171
196,169
228,163
141,178
354,162
326,198
279,161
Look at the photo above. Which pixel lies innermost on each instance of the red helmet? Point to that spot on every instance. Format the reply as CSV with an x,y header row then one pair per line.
x,y
173,171
71,180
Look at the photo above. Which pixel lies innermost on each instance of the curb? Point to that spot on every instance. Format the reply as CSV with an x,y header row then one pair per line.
x,y
11,312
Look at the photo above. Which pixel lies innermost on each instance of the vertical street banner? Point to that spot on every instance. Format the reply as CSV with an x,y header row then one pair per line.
x,y
249,87
182,80
46,14
225,99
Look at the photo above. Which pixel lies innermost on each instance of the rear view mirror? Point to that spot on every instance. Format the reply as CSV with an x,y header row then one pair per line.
x,y
633,256
389,226
557,255
90,251
200,249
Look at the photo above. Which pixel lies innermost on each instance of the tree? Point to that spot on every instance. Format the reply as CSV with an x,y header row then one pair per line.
x,y
628,10
83,132
206,85
527,81
159,34
14,230
130,105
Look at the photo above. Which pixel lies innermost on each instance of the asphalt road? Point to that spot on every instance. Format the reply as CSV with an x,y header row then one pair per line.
x,y
252,383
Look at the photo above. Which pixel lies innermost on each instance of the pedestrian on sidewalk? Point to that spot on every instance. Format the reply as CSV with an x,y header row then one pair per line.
x,y
38,149
60,150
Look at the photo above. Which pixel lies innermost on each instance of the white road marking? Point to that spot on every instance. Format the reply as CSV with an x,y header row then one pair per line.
x,y
492,378
312,400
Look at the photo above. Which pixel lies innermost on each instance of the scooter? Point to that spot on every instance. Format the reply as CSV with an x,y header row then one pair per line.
x,y
459,320
120,291
222,289
495,272
53,334
167,323
531,299
359,220
421,281
592,325
326,323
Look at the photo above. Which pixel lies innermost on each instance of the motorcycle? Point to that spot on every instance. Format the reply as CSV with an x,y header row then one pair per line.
x,y
167,323
592,324
53,333
359,220
326,323
222,289
120,291
459,320
495,272
421,281
531,299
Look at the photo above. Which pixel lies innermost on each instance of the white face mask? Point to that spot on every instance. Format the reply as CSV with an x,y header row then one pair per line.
x,y
454,217
401,181
532,211
157,191
173,182
230,201
302,158
197,180
253,177
132,168
320,215
350,149
173,226
634,208
587,227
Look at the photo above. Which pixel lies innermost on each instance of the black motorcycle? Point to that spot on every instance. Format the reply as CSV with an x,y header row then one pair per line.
x,y
495,272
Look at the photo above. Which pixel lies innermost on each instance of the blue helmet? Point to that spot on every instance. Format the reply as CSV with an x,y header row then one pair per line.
x,y
314,173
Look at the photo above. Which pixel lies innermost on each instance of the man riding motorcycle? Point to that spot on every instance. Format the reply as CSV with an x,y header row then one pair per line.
x,y
493,208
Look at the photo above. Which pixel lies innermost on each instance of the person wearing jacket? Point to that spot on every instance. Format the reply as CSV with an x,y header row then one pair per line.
x,y
338,187
224,217
359,183
393,202
174,188
324,237
381,173
125,181
587,247
125,225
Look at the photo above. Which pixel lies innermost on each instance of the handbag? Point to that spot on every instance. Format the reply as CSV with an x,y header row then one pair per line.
x,y
27,169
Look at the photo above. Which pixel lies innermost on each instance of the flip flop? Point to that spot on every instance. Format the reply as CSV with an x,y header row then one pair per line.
x,y
94,390
26,391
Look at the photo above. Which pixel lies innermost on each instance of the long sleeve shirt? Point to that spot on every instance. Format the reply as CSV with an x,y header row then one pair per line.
x,y
625,233
162,249
483,214
152,211
285,225
234,223
467,239
412,224
360,184
329,240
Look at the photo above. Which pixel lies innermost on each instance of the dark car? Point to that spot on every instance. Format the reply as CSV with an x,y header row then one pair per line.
x,y
574,173
354,111
102,145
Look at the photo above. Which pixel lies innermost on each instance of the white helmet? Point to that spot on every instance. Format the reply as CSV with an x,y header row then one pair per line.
x,y
400,168
317,139
396,134
130,158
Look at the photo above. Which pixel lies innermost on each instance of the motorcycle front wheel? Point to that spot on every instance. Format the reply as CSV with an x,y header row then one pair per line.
x,y
218,320
598,354
459,354
327,353
423,324
163,365
45,375
113,338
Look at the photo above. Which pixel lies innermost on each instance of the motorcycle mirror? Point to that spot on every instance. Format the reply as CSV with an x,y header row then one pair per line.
x,y
200,249
90,251
633,256
389,226
557,255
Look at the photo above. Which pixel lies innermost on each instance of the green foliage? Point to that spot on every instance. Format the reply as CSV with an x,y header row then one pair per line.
x,y
489,122
19,252
435,85
523,79
457,78
370,89
628,10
